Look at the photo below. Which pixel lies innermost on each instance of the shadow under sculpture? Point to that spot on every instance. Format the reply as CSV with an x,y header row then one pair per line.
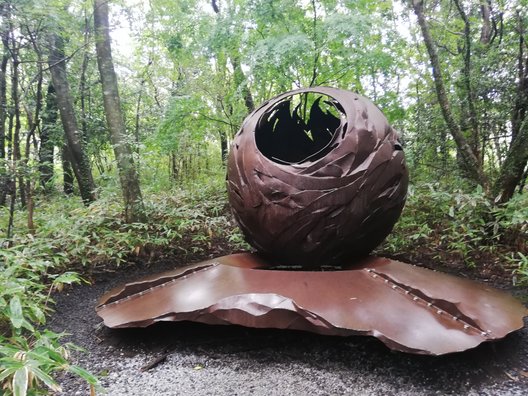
x,y
316,180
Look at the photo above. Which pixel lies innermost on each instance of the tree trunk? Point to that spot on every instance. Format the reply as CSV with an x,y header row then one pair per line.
x,y
82,79
49,119
3,106
3,82
17,155
470,159
241,84
129,179
79,160
138,115
511,174
223,146
523,181
67,171
468,90
521,100
485,32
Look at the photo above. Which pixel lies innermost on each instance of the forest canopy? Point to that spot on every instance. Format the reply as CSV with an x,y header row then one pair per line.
x,y
451,76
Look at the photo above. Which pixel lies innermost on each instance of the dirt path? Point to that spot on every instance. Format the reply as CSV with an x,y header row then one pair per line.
x,y
192,359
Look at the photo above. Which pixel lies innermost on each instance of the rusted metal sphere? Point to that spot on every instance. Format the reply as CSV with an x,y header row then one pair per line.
x,y
316,176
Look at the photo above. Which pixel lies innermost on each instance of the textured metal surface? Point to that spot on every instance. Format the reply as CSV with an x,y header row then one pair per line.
x,y
322,187
410,309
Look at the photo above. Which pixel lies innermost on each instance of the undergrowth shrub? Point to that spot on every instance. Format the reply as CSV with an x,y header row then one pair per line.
x,y
28,355
177,221
461,225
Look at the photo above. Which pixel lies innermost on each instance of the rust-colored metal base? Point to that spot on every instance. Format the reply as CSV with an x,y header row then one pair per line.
x,y
409,308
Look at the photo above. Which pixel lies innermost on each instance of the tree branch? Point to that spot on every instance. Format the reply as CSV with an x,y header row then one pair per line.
x,y
469,157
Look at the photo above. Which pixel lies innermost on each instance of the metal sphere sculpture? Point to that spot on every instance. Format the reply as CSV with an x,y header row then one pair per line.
x,y
316,176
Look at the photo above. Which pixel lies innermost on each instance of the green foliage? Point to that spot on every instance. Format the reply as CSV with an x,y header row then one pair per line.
x,y
24,297
25,365
460,225
29,357
70,234
521,272
99,234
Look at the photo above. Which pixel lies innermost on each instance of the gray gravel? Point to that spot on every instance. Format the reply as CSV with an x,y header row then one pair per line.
x,y
230,360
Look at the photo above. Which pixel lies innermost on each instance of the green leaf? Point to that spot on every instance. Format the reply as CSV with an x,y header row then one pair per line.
x,y
38,314
16,316
67,278
21,382
25,324
87,376
55,356
50,383
7,372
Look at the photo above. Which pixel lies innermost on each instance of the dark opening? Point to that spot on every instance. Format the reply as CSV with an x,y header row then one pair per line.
x,y
300,128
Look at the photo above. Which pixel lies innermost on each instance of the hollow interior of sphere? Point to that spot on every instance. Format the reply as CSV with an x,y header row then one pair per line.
x,y
299,129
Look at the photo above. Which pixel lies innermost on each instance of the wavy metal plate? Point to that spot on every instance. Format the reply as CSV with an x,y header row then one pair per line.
x,y
410,309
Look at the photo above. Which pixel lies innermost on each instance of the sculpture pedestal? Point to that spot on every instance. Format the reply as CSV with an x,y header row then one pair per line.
x,y
410,309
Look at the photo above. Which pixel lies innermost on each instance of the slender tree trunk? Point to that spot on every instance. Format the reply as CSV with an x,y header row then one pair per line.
x,y
511,174
49,120
240,81
12,191
79,160
173,167
3,80
139,102
521,100
138,115
512,170
469,158
223,145
523,180
468,90
485,32
3,106
82,80
33,122
134,210
17,155
67,171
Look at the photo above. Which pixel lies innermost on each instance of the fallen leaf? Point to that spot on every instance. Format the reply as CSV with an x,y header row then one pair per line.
x,y
511,376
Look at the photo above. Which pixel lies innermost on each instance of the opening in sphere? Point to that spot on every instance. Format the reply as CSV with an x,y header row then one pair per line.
x,y
300,128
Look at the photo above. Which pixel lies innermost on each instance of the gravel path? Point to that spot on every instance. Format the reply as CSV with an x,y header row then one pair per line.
x,y
194,359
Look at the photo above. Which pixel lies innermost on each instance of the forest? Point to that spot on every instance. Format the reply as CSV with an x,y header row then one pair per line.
x,y
116,118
